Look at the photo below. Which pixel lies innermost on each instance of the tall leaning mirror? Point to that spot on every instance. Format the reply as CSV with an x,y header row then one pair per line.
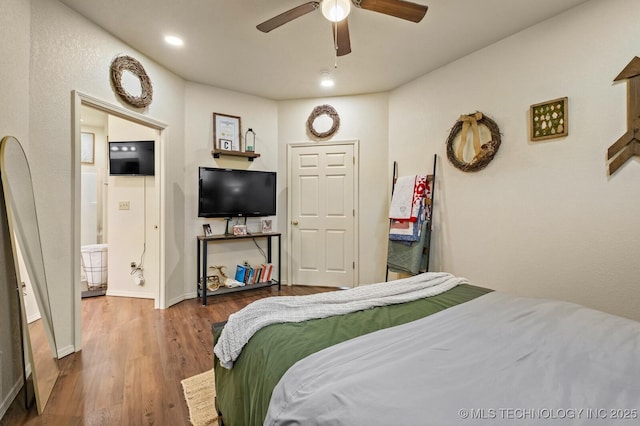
x,y
41,364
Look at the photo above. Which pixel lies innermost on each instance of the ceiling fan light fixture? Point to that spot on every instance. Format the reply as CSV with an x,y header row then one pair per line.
x,y
336,10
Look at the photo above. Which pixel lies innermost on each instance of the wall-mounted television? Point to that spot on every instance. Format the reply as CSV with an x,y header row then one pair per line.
x,y
236,193
132,158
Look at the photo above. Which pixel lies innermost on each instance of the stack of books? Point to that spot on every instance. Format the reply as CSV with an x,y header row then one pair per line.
x,y
249,275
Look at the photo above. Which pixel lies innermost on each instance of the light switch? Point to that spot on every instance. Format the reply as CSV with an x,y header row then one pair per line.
x,y
123,205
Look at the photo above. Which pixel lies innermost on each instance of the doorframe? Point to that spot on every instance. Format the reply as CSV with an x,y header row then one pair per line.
x,y
356,202
80,99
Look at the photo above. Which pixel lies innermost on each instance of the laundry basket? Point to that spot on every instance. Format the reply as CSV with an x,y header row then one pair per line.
x,y
94,264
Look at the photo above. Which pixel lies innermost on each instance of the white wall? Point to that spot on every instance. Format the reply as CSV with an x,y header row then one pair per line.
x,y
69,53
93,189
15,27
133,233
363,118
257,113
544,218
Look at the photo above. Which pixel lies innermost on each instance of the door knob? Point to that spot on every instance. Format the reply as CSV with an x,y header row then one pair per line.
x,y
294,222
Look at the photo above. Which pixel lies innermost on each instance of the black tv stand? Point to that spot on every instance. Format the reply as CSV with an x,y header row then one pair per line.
x,y
203,242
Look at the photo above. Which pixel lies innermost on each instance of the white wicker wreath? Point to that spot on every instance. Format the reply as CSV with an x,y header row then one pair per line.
x,y
317,112
127,63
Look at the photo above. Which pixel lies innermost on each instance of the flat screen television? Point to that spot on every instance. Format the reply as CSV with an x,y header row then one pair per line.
x,y
132,158
236,193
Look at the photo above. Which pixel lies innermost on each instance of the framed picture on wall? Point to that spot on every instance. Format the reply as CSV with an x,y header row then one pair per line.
x,y
550,119
226,132
87,148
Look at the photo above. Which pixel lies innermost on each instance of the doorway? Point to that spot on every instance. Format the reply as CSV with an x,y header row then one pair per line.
x,y
322,204
134,195
93,214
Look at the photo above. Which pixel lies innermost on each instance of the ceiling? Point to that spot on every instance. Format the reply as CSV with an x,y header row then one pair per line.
x,y
224,49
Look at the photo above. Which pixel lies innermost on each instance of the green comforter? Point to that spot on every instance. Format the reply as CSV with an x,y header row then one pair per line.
x,y
244,392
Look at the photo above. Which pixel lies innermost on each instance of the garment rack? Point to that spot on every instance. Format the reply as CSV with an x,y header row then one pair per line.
x,y
427,242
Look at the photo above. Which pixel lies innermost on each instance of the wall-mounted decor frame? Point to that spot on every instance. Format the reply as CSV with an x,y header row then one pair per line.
x,y
550,119
87,148
226,132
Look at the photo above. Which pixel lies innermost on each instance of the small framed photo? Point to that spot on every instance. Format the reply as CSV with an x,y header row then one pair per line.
x,y
226,132
239,229
550,119
266,226
87,148
207,230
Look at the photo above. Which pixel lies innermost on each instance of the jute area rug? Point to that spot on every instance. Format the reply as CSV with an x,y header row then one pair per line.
x,y
199,392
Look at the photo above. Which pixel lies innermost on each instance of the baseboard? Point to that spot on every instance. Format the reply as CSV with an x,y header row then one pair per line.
x,y
15,390
177,300
68,350
133,294
33,317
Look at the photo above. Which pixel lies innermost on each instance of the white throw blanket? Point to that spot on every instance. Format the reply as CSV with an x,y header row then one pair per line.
x,y
402,198
246,322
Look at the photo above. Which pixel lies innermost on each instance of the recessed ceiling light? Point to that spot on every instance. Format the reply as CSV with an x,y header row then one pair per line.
x,y
325,79
173,40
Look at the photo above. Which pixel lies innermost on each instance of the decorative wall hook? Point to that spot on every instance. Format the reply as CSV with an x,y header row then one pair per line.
x,y
628,145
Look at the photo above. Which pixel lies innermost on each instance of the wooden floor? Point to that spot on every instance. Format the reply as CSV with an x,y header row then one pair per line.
x,y
133,359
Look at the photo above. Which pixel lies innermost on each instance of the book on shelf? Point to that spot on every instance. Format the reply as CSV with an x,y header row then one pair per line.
x,y
267,269
241,273
250,275
263,269
257,275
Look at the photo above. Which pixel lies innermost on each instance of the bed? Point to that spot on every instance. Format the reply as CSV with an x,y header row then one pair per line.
x,y
464,355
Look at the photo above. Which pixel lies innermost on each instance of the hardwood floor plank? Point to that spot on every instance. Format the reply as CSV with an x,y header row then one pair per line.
x,y
133,360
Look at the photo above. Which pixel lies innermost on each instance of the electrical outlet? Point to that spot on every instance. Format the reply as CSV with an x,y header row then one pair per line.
x,y
133,264
124,205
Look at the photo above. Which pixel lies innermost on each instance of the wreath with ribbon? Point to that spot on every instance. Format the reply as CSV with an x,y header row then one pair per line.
x,y
317,112
483,151
127,63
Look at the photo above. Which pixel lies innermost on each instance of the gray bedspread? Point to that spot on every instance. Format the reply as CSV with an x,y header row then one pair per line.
x,y
496,359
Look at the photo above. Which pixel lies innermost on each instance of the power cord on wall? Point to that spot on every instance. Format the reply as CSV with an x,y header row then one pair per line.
x,y
137,271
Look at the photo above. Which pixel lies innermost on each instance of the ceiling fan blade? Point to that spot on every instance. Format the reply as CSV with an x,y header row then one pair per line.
x,y
399,8
289,15
341,37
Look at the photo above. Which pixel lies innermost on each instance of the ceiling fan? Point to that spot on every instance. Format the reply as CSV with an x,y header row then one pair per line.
x,y
337,11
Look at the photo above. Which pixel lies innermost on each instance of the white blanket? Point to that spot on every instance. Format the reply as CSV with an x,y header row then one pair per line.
x,y
402,198
246,322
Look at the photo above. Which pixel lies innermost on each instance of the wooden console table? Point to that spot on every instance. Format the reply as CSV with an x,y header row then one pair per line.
x,y
203,242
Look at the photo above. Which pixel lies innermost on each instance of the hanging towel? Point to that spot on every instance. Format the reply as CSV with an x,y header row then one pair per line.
x,y
408,258
419,192
405,230
402,199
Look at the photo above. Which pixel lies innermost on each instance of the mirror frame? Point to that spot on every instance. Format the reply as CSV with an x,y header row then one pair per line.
x,y
43,360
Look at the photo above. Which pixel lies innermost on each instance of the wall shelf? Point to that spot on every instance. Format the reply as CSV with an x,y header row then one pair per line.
x,y
248,155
